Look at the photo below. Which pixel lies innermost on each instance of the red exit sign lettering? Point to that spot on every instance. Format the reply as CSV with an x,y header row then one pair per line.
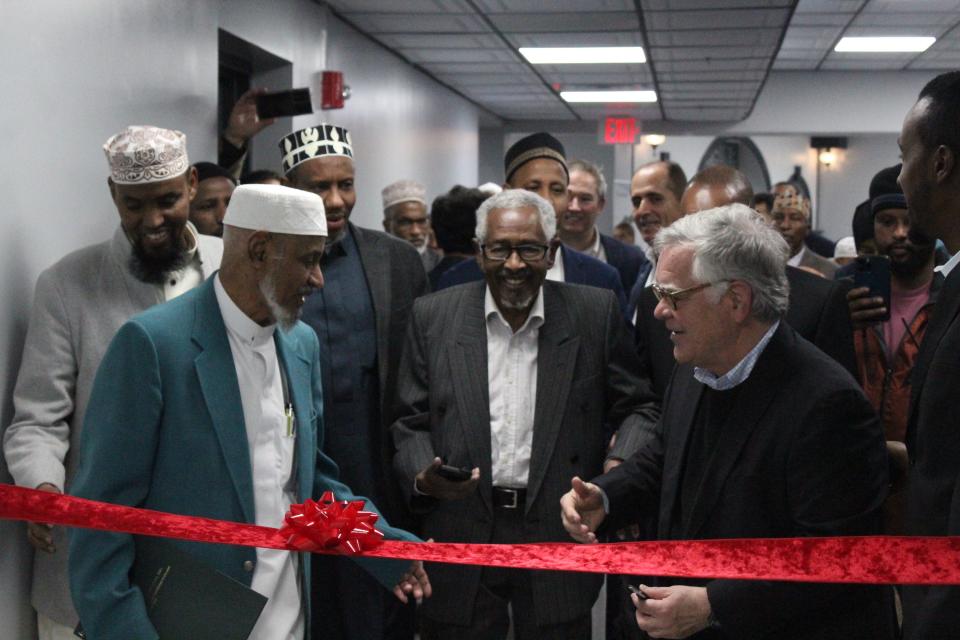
x,y
620,130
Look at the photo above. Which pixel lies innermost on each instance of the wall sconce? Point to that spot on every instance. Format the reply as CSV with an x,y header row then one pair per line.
x,y
825,146
654,140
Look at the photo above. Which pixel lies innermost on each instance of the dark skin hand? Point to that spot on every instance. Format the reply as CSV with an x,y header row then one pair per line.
x,y
431,483
865,310
40,534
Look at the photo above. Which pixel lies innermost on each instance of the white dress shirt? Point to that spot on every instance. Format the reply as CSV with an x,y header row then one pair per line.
x,y
190,275
795,260
271,446
512,385
555,273
596,249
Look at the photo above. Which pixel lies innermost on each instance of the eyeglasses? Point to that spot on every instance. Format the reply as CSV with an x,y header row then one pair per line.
x,y
527,252
674,296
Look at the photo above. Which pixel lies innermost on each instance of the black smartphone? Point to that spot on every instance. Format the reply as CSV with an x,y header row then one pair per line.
x,y
873,272
638,591
284,103
454,474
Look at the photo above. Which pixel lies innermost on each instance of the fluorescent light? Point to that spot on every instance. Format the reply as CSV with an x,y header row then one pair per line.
x,y
609,96
885,44
582,55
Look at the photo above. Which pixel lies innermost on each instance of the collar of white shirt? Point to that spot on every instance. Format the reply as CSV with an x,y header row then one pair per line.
x,y
795,260
556,273
949,265
238,323
534,319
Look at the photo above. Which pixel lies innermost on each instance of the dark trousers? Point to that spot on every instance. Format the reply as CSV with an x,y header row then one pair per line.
x,y
500,588
348,604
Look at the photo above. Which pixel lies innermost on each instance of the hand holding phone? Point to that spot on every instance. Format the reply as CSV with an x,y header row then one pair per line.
x,y
869,300
284,103
447,482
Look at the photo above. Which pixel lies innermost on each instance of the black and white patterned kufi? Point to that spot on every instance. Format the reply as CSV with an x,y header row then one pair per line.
x,y
314,142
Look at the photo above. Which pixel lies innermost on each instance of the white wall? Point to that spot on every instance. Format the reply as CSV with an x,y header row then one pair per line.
x,y
76,72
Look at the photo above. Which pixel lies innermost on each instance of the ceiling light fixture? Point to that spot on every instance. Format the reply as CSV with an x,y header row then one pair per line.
x,y
609,96
583,55
884,44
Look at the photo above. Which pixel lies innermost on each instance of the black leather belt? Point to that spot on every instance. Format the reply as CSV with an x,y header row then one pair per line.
x,y
504,498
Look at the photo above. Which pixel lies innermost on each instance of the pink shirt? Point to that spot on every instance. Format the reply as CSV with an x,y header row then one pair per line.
x,y
904,306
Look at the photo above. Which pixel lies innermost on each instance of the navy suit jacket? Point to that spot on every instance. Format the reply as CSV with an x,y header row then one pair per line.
x,y
577,269
627,259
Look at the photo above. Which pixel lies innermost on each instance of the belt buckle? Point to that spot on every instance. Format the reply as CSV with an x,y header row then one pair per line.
x,y
513,494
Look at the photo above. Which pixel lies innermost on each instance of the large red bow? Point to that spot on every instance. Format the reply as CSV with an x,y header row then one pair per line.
x,y
331,524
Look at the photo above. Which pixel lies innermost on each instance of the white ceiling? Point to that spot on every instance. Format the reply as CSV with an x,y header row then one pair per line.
x,y
707,59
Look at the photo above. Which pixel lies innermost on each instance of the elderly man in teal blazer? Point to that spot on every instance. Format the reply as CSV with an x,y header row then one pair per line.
x,y
201,407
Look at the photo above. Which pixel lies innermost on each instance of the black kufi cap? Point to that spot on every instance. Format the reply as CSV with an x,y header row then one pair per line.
x,y
537,145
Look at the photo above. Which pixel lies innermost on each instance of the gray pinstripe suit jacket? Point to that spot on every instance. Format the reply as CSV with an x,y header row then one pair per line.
x,y
586,376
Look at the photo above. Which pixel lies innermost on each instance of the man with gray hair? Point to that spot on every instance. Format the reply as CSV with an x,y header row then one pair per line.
x,y
504,388
762,435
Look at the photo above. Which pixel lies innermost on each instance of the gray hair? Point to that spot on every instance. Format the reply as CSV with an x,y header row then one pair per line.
x,y
517,199
594,170
733,242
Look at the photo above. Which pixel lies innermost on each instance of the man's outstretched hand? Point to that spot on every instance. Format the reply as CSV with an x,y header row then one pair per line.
x,y
581,510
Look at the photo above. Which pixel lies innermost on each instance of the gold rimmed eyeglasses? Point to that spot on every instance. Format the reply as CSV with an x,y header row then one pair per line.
x,y
673,296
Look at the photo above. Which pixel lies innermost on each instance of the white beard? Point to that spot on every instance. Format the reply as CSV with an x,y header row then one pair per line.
x,y
284,317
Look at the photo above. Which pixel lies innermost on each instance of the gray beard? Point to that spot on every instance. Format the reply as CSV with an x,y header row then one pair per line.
x,y
520,305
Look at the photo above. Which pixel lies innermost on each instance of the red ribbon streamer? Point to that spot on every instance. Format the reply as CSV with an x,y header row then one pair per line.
x,y
874,559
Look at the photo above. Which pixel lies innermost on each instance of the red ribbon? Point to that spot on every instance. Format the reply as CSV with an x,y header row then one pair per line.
x,y
332,525
875,559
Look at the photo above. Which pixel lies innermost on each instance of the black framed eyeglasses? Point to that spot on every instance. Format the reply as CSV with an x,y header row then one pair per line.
x,y
527,252
673,296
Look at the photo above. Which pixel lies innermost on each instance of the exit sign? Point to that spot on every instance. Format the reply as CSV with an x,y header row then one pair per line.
x,y
620,130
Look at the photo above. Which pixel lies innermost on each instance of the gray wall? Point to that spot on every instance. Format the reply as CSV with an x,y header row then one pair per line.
x,y
76,72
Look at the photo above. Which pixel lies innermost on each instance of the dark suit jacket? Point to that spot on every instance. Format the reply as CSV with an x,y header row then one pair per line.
x,y
627,259
933,441
585,377
577,269
396,277
817,310
801,454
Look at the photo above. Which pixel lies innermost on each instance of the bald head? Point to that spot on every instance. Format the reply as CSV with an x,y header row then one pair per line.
x,y
716,186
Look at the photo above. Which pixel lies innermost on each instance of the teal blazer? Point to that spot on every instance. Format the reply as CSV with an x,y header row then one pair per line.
x,y
164,430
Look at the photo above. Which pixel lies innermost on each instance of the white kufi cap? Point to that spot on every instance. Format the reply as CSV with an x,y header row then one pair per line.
x,y
277,209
